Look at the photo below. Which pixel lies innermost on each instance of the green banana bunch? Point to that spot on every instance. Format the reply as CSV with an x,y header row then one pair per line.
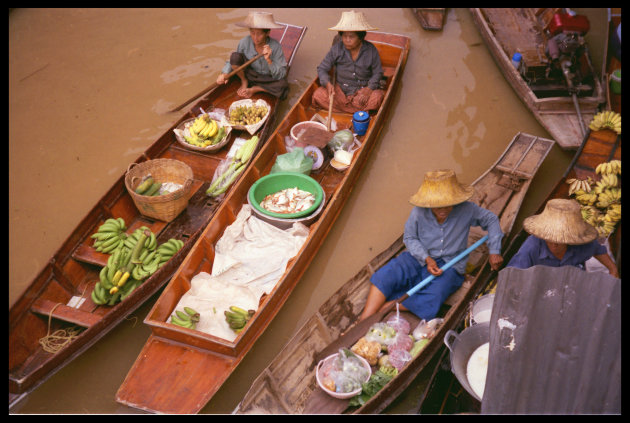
x,y
168,250
237,318
235,168
110,236
187,318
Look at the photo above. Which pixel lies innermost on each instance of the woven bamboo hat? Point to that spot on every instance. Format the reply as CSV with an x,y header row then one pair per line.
x,y
259,20
353,21
561,222
441,188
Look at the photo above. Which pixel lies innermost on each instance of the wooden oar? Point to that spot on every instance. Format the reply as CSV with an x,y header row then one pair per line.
x,y
213,86
361,328
332,97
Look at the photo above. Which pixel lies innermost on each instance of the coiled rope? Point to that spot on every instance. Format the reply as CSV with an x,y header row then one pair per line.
x,y
55,342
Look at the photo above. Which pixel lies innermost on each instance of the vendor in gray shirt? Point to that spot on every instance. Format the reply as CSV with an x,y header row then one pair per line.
x,y
357,67
269,73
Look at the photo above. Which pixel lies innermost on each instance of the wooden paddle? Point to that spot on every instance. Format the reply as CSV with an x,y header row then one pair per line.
x,y
332,97
213,86
361,328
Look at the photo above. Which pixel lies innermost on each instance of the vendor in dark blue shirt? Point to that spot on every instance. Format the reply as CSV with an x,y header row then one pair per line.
x,y
559,236
435,232
357,67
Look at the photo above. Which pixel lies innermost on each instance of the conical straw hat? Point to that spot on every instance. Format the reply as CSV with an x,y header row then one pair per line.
x,y
441,189
259,20
353,21
561,222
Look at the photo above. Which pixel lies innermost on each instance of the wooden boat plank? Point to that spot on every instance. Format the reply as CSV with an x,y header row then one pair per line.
x,y
202,375
73,269
341,310
337,186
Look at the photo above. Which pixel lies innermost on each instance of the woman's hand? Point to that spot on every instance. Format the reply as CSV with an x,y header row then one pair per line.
x,y
331,88
221,79
266,51
433,267
362,96
496,260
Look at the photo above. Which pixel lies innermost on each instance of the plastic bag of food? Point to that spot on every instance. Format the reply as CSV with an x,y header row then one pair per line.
x,y
381,333
295,161
348,371
399,324
399,358
367,349
401,342
427,329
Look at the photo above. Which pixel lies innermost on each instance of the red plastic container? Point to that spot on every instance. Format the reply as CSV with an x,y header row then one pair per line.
x,y
565,22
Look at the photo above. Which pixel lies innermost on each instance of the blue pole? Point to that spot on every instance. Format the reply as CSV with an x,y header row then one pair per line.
x,y
447,265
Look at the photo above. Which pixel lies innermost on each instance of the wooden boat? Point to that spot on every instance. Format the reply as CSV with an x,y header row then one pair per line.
x,y
430,18
443,393
288,384
509,30
179,369
73,270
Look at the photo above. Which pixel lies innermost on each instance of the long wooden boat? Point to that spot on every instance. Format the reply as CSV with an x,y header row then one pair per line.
x,y
443,393
288,384
509,30
430,18
179,369
74,269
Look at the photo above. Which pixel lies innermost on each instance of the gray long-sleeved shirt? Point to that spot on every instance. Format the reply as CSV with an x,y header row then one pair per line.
x,y
425,237
352,75
278,67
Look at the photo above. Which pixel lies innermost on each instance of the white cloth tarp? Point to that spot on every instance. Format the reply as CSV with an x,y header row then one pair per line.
x,y
250,258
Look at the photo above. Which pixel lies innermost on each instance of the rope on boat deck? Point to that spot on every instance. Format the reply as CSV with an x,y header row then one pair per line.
x,y
55,342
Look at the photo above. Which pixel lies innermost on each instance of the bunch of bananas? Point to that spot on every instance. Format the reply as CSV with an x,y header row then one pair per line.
x,y
235,167
149,187
579,185
168,249
612,167
187,318
128,266
601,203
237,318
110,235
204,131
606,119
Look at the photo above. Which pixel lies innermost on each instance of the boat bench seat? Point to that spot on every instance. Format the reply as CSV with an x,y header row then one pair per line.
x,y
65,313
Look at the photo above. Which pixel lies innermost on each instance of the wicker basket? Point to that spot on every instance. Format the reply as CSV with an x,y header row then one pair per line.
x,y
162,207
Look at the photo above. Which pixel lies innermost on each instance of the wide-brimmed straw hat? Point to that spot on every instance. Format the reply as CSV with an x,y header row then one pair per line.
x,y
353,21
259,20
561,222
441,188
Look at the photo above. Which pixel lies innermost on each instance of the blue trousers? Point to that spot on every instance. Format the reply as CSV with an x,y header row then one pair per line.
x,y
404,272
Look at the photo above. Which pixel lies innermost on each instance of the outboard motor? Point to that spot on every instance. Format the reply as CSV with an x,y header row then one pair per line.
x,y
565,48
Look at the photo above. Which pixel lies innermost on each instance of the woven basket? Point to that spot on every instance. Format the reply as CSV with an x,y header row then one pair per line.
x,y
162,207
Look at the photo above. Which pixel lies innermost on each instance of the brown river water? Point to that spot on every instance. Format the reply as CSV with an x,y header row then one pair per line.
x,y
89,90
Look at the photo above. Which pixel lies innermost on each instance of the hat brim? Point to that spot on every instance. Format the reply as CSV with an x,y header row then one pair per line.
x,y
577,234
435,201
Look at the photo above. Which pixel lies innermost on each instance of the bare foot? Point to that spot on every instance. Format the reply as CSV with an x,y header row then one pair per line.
x,y
245,92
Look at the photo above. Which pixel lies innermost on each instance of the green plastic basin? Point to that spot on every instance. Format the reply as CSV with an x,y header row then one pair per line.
x,y
275,182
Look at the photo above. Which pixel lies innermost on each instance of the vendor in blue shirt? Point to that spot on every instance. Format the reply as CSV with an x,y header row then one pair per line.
x,y
435,232
559,236
269,73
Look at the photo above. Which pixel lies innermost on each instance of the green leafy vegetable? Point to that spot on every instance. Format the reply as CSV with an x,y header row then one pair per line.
x,y
378,379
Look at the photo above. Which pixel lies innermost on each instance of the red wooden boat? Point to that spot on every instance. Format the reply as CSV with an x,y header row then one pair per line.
x,y
179,369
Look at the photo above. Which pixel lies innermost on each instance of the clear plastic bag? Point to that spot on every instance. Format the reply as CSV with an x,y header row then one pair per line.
x,y
295,161
399,358
401,342
399,324
381,333
427,329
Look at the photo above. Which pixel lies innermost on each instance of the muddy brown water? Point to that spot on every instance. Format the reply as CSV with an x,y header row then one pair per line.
x,y
89,90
